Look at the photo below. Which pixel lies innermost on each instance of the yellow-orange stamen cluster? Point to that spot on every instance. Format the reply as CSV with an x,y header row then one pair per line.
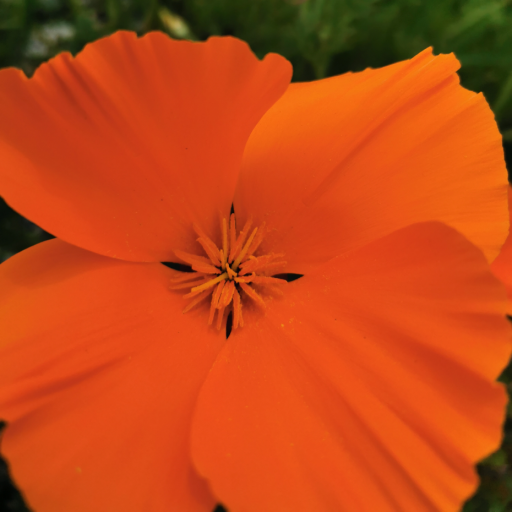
x,y
227,271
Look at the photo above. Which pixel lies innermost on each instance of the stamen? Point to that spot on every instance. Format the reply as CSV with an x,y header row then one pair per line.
x,y
259,263
227,295
206,269
181,277
225,243
237,310
233,253
228,270
203,235
198,263
260,280
211,283
254,263
183,286
219,318
212,247
212,314
242,254
257,240
253,294
232,235
192,294
196,301
223,259
212,252
217,293
191,258
215,301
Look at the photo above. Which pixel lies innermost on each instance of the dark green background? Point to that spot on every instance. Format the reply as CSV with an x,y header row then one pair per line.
x,y
321,38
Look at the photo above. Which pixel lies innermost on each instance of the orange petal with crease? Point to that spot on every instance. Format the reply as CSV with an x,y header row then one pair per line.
x,y
368,387
352,158
120,149
99,373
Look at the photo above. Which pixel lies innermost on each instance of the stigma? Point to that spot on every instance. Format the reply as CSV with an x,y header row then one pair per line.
x,y
229,273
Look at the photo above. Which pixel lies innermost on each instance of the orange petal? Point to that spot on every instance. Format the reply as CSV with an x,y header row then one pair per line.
x,y
502,265
351,158
120,149
368,387
99,372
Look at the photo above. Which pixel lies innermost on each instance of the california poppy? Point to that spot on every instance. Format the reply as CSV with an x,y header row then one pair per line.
x,y
365,385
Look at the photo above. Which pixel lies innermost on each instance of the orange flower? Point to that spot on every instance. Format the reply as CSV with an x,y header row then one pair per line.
x,y
365,385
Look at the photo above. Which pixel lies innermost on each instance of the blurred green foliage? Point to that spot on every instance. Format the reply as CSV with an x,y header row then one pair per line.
x,y
321,38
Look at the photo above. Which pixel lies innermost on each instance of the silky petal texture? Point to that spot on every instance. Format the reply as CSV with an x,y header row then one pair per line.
x,y
368,387
502,265
99,373
352,158
122,148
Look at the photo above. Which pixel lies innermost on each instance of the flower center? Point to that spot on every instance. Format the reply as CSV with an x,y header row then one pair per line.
x,y
230,273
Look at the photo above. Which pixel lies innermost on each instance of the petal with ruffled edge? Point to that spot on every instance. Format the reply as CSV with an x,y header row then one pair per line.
x,y
120,149
352,158
99,373
368,387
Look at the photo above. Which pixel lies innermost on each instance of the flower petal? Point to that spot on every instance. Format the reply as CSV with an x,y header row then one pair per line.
x,y
122,148
368,387
99,373
352,158
502,265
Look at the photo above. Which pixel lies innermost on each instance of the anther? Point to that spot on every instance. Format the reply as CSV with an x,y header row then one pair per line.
x,y
225,243
242,254
210,283
228,271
